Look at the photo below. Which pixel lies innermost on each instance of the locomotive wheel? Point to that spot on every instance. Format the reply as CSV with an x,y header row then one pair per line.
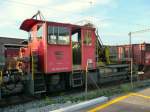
x,y
56,82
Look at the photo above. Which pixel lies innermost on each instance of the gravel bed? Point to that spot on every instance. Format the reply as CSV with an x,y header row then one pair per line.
x,y
51,107
36,106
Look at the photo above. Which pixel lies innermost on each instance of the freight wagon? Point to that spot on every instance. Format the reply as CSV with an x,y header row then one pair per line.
x,y
140,53
10,77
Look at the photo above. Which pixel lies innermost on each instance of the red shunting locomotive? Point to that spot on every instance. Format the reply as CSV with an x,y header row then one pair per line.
x,y
58,56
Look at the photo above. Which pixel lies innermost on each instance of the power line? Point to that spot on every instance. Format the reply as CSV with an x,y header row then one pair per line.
x,y
139,31
33,5
22,3
54,9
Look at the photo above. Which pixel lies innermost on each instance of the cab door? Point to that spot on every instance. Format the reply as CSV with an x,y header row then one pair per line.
x,y
88,48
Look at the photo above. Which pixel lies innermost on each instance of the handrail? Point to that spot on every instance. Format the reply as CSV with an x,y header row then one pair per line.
x,y
1,76
32,68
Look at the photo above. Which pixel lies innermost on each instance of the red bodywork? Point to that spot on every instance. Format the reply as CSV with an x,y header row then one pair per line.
x,y
55,58
140,53
11,52
88,52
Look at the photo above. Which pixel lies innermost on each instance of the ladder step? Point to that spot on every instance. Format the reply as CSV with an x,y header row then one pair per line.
x,y
76,71
39,83
77,83
39,88
38,73
77,79
39,78
77,76
38,92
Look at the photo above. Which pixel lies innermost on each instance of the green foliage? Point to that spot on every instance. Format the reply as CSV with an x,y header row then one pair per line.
x,y
49,101
126,88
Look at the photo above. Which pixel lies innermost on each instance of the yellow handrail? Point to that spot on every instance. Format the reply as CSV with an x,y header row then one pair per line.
x,y
32,68
1,76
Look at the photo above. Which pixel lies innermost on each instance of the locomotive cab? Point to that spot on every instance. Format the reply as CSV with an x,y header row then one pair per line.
x,y
61,47
59,51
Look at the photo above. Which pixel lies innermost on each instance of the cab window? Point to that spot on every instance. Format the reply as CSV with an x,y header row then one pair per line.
x,y
58,35
30,36
87,38
39,31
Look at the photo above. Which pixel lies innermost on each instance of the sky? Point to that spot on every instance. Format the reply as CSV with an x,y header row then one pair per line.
x,y
114,19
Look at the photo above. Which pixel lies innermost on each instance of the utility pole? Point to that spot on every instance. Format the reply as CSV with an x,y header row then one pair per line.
x,y
131,60
91,3
86,72
86,79
131,52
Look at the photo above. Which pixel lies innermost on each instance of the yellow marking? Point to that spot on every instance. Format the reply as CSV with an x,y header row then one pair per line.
x,y
117,100
110,103
140,95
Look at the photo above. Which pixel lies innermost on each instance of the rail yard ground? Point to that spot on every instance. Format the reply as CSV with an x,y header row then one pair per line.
x,y
63,100
131,102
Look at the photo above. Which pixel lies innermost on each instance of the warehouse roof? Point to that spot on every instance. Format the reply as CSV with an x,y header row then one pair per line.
x,y
8,40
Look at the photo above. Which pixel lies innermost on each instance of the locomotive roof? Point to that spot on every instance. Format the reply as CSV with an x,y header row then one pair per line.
x,y
29,23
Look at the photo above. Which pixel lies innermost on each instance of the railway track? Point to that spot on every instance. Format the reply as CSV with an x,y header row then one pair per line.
x,y
15,100
22,98
52,102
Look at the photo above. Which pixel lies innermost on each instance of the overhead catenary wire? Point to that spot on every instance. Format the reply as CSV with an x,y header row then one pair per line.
x,y
140,31
37,7
55,9
51,8
21,3
34,5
